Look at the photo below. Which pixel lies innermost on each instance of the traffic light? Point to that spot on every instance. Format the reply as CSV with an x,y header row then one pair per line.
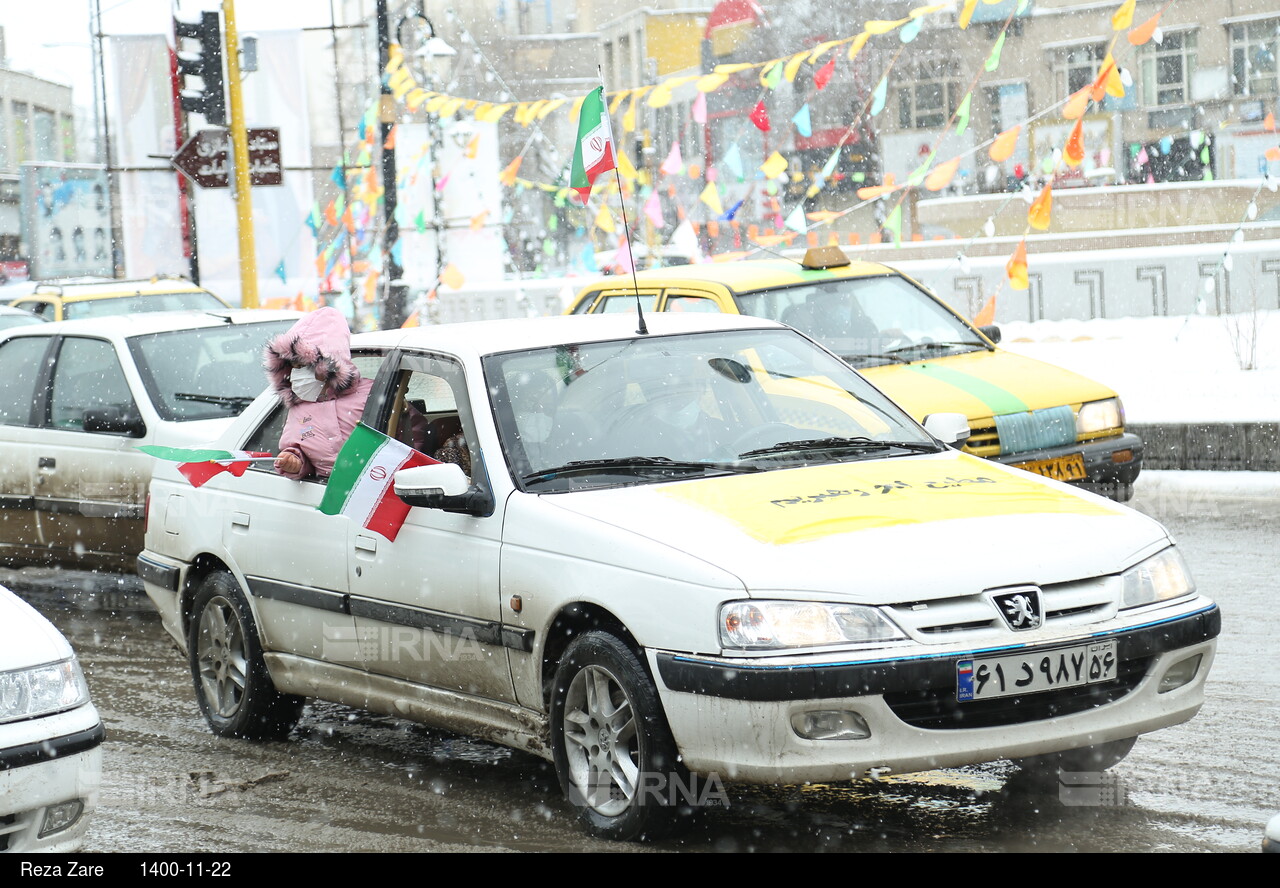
x,y
209,99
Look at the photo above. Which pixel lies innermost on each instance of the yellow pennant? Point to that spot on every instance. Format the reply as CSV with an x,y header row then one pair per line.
x,y
1123,17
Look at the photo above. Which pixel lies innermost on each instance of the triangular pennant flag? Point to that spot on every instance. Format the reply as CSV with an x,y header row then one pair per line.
x,y
879,96
1041,208
604,220
942,175
733,160
1002,148
760,116
795,221
993,60
962,114
893,224
829,167
823,75
774,166
1145,31
1123,17
420,222
281,273
771,76
1016,268
685,241
674,164
508,176
1269,122
966,14
733,211
711,197
653,209
1073,153
910,31
699,109
987,316
803,124
473,146
451,276
389,144
1076,105
626,169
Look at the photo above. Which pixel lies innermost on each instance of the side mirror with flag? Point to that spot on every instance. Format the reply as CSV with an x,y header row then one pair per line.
x,y
441,486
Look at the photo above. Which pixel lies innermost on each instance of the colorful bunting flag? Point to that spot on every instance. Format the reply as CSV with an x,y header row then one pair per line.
x,y
1016,268
802,121
942,175
893,224
962,113
674,164
774,166
1073,153
760,116
1002,148
879,97
823,75
1123,17
1041,208
699,109
711,197
653,210
1145,31
993,60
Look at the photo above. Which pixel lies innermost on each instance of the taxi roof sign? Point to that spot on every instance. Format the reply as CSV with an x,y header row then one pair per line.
x,y
825,257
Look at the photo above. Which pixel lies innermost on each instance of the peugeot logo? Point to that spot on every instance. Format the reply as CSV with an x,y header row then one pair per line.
x,y
1021,608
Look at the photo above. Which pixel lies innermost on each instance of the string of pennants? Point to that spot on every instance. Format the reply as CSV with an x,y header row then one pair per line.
x,y
349,232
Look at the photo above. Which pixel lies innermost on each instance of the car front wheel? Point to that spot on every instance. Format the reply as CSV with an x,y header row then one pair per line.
x,y
613,751
231,681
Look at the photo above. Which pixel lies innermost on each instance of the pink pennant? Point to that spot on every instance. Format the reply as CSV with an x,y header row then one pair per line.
x,y
700,108
653,209
674,164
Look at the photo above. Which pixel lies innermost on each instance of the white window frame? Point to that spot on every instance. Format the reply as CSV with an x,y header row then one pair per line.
x,y
1083,59
943,76
1247,35
1162,95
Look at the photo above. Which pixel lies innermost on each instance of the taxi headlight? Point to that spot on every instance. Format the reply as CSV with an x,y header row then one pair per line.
x,y
41,690
1159,578
773,625
1097,416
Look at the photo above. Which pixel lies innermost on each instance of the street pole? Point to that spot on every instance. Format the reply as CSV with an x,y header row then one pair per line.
x,y
240,160
392,314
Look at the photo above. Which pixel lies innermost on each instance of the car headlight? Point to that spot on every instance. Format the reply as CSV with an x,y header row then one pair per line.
x,y
1098,416
41,690
773,625
1159,578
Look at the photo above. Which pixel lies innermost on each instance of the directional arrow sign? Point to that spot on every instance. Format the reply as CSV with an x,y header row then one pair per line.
x,y
203,158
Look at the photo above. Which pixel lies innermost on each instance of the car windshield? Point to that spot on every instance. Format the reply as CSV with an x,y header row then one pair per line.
x,y
205,372
139,302
868,320
656,408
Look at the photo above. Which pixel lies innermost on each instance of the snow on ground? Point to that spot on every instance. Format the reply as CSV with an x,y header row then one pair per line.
x,y
1182,369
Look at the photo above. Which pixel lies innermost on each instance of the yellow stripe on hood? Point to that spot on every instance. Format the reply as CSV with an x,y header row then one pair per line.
x,y
800,505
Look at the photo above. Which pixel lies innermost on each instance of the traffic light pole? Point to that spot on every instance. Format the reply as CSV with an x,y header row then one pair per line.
x,y
240,161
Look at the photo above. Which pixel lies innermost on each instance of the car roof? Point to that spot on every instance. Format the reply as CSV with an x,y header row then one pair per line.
x,y
146,322
744,276
73,289
479,338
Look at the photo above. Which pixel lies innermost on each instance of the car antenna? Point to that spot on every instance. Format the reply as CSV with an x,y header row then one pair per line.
x,y
643,328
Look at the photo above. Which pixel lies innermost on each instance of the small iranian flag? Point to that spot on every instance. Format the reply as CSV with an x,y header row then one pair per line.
x,y
593,154
361,484
198,466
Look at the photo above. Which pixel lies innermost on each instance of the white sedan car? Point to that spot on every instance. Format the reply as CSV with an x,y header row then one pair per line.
x,y
78,397
50,735
668,560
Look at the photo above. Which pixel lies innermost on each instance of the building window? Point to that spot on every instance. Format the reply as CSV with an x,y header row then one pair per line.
x,y
928,96
1253,57
21,138
46,133
1077,66
68,138
4,136
1167,67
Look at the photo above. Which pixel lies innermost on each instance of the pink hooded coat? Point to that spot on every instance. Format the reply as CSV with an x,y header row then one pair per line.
x,y
316,430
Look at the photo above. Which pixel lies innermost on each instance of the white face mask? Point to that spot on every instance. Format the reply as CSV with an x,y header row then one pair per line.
x,y
305,385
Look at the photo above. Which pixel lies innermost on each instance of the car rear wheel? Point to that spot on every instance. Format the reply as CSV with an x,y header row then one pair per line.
x,y
231,681
614,754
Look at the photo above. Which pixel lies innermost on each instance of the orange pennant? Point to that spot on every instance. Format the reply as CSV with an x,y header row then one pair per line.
x,y
452,277
1145,31
942,175
508,176
1076,105
472,147
1269,122
390,143
1273,154
1038,214
873,191
331,214
477,221
1074,152
1002,147
1016,269
987,315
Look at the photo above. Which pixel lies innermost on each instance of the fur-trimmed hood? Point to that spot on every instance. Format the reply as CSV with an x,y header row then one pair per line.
x,y
319,338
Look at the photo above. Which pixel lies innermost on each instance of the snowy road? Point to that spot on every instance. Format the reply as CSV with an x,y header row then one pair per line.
x,y
350,781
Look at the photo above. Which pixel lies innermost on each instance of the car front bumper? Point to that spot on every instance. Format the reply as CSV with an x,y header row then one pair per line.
x,y
909,704
54,762
1099,457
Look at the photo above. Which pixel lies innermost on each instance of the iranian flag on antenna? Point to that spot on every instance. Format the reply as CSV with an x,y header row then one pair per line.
x,y
362,483
593,154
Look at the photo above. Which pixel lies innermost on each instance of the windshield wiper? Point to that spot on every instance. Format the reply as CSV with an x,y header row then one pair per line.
x,y
233,402
633,465
883,356
929,346
863,444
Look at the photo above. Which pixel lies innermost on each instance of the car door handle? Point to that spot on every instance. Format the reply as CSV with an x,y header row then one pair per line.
x,y
47,462
366,543
239,519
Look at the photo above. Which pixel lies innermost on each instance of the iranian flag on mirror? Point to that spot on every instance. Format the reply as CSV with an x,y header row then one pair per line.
x,y
361,485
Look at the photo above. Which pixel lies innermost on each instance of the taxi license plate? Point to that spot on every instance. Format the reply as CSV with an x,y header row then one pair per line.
x,y
985,678
1061,468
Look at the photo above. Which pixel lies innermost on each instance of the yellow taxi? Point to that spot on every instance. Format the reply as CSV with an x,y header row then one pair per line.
x,y
93,298
917,350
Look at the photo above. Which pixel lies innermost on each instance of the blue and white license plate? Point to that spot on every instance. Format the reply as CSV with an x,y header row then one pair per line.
x,y
985,678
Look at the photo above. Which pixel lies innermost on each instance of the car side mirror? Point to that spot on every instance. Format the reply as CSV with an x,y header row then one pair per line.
x,y
115,420
442,486
991,331
951,429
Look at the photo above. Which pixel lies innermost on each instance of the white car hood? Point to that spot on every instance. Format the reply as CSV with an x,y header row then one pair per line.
x,y
26,638
883,531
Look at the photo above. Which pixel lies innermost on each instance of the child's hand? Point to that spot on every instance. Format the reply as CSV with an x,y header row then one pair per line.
x,y
288,464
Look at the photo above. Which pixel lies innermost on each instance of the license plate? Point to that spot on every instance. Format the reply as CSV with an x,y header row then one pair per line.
x,y
985,678
1060,468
